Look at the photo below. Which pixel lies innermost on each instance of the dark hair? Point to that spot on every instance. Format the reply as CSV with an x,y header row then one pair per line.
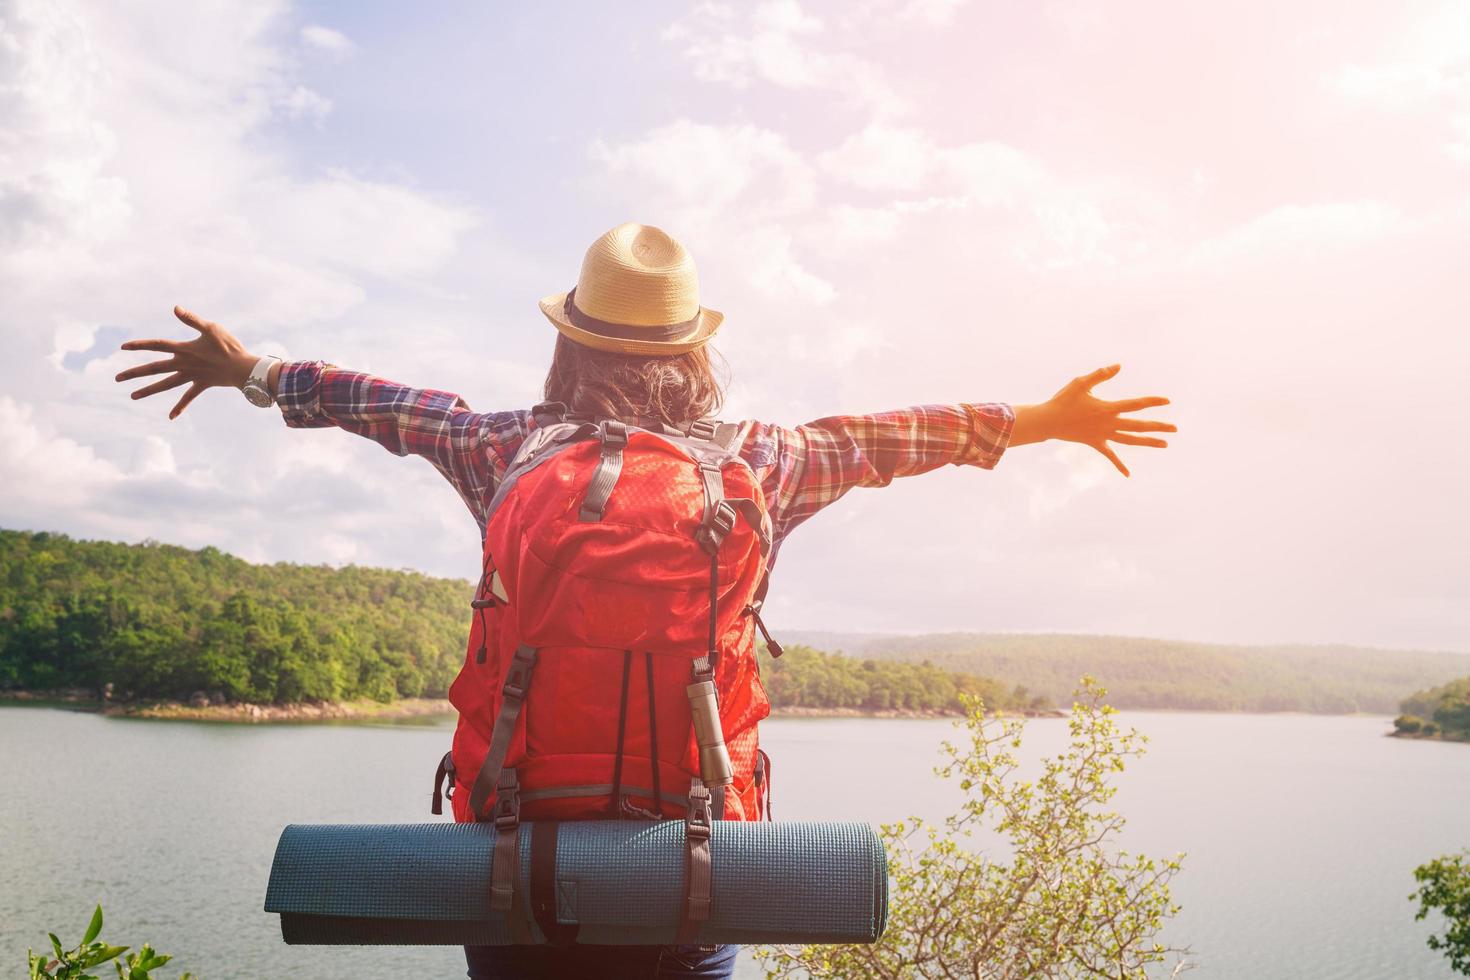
x,y
673,388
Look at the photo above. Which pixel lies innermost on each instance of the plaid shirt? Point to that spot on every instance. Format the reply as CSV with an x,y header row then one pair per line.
x,y
800,470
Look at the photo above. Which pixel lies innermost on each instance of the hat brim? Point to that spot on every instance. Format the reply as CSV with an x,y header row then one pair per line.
x,y
704,328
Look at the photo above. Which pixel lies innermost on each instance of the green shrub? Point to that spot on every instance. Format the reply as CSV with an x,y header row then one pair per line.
x,y
74,964
1062,901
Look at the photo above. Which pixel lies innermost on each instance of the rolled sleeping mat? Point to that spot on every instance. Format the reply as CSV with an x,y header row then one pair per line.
x,y
616,882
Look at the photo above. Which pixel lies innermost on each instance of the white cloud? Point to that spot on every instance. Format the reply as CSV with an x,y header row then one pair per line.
x,y
1427,68
700,166
43,470
327,40
775,270
883,158
71,337
1303,230
301,102
1052,222
779,43
344,222
934,13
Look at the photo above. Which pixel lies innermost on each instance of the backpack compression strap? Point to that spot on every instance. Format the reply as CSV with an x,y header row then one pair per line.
x,y
513,698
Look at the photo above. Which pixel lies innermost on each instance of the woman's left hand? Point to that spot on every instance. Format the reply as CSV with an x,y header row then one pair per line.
x,y
1074,414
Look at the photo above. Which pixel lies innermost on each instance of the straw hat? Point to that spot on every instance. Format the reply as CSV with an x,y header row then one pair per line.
x,y
638,293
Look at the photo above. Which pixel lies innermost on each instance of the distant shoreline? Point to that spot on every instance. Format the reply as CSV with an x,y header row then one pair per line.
x,y
367,710
1436,737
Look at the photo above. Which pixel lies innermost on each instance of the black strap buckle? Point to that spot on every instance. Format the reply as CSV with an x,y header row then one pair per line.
x,y
699,817
518,677
507,813
717,527
703,428
550,411
614,434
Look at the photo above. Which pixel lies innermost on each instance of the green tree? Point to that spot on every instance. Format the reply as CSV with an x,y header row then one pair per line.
x,y
1444,887
1061,903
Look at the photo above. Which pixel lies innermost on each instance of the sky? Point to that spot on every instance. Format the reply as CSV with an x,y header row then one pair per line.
x,y
1261,210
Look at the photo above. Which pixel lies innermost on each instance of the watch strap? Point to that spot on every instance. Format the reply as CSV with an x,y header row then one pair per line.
x,y
261,372
257,386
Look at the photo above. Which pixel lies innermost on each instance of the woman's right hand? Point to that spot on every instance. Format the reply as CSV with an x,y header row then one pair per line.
x,y
214,359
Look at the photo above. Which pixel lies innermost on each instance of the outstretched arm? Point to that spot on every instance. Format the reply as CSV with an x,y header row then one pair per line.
x,y
438,425
806,468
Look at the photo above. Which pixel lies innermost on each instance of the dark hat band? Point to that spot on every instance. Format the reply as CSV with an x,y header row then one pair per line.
x,y
625,331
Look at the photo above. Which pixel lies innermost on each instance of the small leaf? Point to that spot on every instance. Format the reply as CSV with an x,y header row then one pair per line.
x,y
95,927
104,953
56,945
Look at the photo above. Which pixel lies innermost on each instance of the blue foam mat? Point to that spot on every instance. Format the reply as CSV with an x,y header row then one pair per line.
x,y
621,882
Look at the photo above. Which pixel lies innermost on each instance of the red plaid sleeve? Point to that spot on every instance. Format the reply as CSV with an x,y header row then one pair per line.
x,y
471,449
806,468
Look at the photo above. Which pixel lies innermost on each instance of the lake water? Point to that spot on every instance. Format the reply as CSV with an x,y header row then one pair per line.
x,y
1301,832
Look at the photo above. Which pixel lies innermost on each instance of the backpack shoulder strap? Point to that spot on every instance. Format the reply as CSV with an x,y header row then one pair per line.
x,y
537,448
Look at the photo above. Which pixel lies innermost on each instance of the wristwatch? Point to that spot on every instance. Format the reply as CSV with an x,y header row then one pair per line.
x,y
256,387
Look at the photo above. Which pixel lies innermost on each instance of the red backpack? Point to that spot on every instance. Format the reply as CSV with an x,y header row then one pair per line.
x,y
624,570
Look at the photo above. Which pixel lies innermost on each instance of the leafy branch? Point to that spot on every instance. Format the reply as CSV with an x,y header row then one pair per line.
x,y
74,964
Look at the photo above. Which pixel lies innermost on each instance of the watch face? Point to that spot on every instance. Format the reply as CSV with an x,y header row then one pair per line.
x,y
257,395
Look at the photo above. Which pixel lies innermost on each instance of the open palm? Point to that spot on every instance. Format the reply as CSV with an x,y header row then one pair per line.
x,y
214,359
1075,414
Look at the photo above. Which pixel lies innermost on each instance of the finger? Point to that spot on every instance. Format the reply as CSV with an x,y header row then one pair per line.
x,y
1137,404
192,319
189,396
1099,376
143,370
166,346
1112,457
164,385
1128,440
1144,425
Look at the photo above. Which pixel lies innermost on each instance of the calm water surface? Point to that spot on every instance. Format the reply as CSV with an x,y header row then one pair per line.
x,y
1301,832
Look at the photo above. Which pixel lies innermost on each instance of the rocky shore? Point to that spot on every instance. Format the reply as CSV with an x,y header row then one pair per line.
x,y
202,707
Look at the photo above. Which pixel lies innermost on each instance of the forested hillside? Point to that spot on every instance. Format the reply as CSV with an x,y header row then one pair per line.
x,y
1143,673
805,677
161,621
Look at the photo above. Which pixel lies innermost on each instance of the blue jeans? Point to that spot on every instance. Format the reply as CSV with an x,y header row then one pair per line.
x,y
572,962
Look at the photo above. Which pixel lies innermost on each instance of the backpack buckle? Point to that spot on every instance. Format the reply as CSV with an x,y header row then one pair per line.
x,y
717,527
552,411
703,428
698,818
518,677
507,812
614,434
